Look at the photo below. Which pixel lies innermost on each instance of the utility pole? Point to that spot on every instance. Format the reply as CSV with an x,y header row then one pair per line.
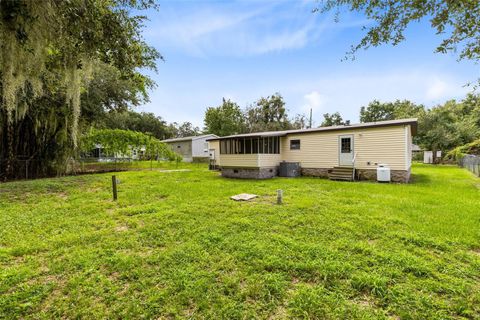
x,y
310,121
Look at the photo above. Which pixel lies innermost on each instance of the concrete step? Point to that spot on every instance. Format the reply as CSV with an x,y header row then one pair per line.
x,y
341,173
346,174
340,178
343,169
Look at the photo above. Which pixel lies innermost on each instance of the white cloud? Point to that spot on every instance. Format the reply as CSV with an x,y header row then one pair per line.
x,y
255,48
239,30
314,100
347,91
437,89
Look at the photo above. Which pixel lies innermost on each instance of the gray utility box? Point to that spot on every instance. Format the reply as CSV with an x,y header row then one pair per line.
x,y
289,169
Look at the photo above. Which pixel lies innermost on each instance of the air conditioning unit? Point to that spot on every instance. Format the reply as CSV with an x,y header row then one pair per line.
x,y
383,173
289,169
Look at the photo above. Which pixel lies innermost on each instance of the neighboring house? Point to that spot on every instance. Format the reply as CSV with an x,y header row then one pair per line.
x,y
98,153
336,152
416,148
195,148
417,152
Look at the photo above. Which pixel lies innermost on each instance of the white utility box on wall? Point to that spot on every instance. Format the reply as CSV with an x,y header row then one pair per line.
x,y
383,173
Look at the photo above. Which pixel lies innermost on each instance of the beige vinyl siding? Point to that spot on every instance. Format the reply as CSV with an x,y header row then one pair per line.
x,y
409,146
239,160
250,160
269,160
374,145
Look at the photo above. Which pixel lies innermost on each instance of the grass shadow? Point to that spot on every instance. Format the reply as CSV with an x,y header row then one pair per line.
x,y
420,178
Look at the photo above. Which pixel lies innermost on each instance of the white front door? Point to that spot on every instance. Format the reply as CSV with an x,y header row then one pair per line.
x,y
345,150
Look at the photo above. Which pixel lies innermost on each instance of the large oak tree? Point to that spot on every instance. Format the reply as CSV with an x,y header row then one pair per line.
x,y
49,51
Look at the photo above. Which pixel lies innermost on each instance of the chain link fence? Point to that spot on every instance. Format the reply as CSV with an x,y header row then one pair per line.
x,y
22,169
93,165
471,163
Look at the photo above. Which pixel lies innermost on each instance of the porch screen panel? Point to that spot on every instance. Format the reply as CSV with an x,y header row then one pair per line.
x,y
248,146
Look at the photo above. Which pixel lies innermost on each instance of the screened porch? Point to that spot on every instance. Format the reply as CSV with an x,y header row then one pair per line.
x,y
250,152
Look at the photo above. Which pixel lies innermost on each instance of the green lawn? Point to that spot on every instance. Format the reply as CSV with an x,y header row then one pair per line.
x,y
175,246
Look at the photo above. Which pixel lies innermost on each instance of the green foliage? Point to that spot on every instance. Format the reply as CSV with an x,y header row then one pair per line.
x,y
175,246
116,141
457,21
49,52
109,91
334,119
450,125
67,38
378,111
185,129
442,127
224,120
267,114
459,152
144,122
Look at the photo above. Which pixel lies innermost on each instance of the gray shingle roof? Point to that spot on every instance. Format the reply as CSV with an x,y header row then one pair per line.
x,y
189,138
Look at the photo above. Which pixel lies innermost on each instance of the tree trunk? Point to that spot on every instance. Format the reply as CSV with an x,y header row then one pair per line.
x,y
10,153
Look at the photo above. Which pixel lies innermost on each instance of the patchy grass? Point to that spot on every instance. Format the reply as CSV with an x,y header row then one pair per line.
x,y
175,246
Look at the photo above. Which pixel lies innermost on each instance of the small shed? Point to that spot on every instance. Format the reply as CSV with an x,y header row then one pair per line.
x,y
428,156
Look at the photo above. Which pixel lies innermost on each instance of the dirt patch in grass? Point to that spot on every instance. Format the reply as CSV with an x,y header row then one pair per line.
x,y
62,195
365,301
476,251
264,199
121,228
279,313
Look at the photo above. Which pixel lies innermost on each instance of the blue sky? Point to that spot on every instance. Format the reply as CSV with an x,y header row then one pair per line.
x,y
243,50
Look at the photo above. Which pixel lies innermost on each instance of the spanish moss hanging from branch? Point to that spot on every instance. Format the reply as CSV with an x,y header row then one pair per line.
x,y
48,52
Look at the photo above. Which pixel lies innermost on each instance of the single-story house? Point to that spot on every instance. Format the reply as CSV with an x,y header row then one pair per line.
x,y
416,148
337,152
99,154
194,148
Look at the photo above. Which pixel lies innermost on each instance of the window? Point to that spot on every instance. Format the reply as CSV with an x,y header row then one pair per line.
x,y
267,145
294,144
346,145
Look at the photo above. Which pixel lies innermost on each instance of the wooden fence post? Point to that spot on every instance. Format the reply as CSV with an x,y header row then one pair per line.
x,y
114,188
